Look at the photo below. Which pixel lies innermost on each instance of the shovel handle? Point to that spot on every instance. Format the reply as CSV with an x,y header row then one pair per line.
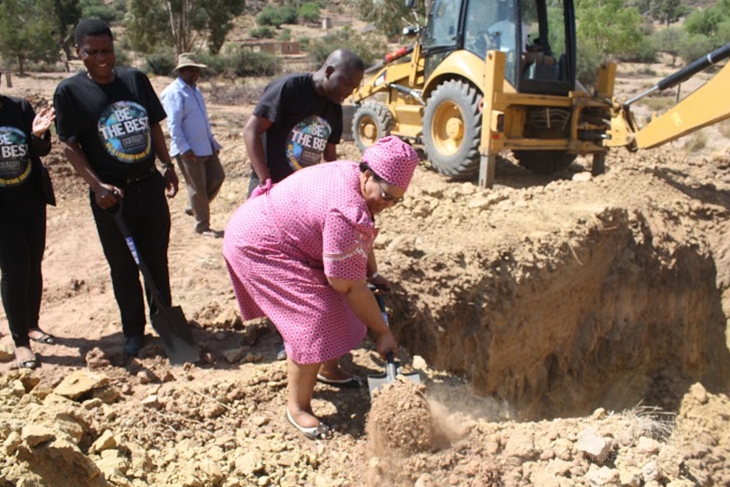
x,y
390,369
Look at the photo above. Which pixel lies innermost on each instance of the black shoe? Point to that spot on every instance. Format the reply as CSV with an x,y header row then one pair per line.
x,y
281,353
133,345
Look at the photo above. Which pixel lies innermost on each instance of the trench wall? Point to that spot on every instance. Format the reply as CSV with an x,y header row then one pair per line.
x,y
620,314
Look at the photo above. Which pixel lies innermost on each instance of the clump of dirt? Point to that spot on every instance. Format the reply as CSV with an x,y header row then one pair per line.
x,y
401,422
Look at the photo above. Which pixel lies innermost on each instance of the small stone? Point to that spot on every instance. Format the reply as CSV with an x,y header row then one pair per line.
x,y
650,472
34,434
104,442
79,383
151,402
263,481
629,479
233,355
648,445
582,177
598,414
11,443
602,476
146,377
249,463
259,420
425,480
7,354
699,392
252,358
593,445
92,404
419,362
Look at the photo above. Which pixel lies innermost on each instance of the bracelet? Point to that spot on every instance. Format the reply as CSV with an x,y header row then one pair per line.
x,y
374,275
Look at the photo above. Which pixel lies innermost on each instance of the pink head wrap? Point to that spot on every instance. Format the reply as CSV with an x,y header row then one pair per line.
x,y
393,160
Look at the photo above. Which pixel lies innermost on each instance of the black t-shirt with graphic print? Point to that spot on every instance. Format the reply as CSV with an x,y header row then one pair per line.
x,y
111,122
303,123
19,151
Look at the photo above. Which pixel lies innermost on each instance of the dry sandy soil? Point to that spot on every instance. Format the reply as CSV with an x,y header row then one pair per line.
x,y
569,331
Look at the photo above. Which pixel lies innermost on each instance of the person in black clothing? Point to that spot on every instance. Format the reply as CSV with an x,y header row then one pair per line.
x,y
108,122
298,119
24,192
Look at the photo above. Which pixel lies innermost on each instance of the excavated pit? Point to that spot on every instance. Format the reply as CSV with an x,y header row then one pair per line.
x,y
612,306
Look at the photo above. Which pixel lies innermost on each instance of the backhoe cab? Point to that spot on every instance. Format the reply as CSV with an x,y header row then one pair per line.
x,y
493,75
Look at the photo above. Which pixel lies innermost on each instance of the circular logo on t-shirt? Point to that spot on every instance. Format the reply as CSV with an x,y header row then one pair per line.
x,y
306,142
124,130
15,165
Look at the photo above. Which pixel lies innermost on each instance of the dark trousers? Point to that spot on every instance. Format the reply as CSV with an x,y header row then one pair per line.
x,y
22,243
203,179
148,217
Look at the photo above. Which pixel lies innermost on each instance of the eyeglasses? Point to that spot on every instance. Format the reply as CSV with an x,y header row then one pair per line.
x,y
385,196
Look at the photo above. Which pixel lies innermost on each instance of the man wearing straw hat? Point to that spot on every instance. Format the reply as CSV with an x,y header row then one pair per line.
x,y
193,144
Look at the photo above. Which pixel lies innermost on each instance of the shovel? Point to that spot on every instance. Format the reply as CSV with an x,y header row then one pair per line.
x,y
169,323
377,381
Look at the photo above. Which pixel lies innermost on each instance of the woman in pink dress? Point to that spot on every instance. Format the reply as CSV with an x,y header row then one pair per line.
x,y
301,253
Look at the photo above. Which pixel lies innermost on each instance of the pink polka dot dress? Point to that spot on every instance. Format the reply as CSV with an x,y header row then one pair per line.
x,y
281,245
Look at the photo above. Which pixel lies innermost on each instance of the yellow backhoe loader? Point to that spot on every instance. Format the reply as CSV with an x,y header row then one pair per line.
x,y
493,75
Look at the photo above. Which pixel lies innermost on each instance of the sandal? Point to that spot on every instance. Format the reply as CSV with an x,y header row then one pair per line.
x,y
319,432
44,338
352,382
30,363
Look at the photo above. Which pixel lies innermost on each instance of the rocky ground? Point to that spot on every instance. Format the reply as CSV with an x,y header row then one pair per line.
x,y
568,330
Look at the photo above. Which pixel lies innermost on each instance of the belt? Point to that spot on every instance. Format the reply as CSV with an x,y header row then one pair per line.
x,y
139,179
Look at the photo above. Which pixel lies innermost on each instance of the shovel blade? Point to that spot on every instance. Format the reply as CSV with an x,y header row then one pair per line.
x,y
376,381
175,335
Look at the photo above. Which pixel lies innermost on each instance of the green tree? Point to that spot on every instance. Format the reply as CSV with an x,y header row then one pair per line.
x,y
668,40
668,11
27,31
388,16
180,23
609,25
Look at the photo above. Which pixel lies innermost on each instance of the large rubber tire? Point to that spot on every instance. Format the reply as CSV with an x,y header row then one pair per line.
x,y
452,129
544,161
371,122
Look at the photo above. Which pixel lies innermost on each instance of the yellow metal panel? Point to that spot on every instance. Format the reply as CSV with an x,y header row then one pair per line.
x,y
408,120
462,64
707,105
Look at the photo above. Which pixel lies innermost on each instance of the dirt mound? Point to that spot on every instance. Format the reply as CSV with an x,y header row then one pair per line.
x,y
401,423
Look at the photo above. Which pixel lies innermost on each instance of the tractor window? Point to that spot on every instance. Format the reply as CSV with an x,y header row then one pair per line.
x,y
492,26
443,23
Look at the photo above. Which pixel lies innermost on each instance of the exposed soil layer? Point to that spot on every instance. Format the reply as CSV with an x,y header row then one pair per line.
x,y
540,313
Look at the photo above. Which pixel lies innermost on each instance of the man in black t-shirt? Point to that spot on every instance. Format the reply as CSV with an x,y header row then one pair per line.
x,y
298,119
108,122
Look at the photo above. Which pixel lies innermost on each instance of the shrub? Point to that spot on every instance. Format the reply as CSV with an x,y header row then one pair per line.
x,y
369,49
695,46
697,141
304,42
216,64
309,12
284,35
249,63
262,33
645,52
589,59
276,16
161,62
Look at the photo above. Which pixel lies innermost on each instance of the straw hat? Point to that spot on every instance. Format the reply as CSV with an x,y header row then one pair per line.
x,y
188,60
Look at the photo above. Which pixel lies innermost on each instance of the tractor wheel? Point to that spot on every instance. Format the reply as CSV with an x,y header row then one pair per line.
x,y
371,122
544,161
452,129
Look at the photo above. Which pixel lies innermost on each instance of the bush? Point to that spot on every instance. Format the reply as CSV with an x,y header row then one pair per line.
x,y
97,9
161,63
285,35
369,49
309,12
216,64
249,63
590,57
695,46
276,16
262,33
645,52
